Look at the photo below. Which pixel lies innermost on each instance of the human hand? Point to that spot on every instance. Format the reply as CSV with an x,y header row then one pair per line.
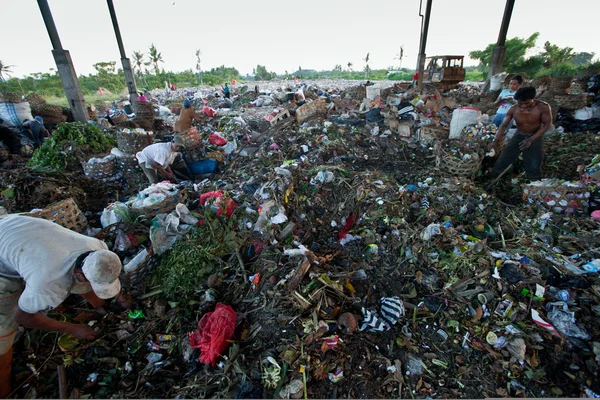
x,y
128,304
492,145
82,332
525,144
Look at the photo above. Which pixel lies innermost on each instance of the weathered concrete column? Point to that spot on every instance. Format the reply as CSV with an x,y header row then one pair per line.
x,y
68,76
127,70
497,61
65,67
423,46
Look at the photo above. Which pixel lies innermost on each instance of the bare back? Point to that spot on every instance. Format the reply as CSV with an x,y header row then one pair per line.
x,y
529,120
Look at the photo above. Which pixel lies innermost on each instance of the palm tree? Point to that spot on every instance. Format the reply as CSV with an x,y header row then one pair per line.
x,y
5,69
349,68
399,57
198,66
138,59
367,69
155,58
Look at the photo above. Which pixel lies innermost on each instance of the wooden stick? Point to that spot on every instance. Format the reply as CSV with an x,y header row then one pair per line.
x,y
498,177
62,382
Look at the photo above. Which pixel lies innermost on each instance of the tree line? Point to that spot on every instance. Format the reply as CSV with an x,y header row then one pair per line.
x,y
553,60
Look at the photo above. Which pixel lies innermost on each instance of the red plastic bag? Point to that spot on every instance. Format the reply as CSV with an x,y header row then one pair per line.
x,y
216,200
209,112
214,331
217,140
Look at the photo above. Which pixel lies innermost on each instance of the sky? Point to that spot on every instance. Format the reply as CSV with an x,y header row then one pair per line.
x,y
283,36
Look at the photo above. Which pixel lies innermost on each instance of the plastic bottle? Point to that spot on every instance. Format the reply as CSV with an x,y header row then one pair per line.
x,y
561,294
592,266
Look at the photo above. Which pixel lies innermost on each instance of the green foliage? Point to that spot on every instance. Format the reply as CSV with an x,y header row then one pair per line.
x,y
554,55
554,60
67,142
516,48
261,74
195,257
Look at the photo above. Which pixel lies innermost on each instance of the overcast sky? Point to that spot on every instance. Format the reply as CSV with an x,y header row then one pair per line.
x,y
315,34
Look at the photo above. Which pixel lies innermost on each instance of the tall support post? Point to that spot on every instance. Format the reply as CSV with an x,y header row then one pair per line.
x,y
424,31
127,70
65,67
499,51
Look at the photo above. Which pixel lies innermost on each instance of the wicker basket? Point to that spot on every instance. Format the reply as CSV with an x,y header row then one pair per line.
x,y
448,163
508,77
132,142
110,233
132,173
165,206
541,81
103,169
64,213
431,132
561,82
10,97
558,198
35,100
571,101
122,117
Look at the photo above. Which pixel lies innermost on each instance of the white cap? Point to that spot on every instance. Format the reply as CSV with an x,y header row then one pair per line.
x,y
102,269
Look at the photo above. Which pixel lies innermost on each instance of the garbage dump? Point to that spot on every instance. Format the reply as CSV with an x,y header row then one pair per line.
x,y
324,239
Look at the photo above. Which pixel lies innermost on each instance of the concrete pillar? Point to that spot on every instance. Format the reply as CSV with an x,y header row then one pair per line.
x,y
65,67
497,61
68,77
423,46
129,79
127,70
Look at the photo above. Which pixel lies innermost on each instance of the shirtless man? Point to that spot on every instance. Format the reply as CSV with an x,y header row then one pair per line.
x,y
533,119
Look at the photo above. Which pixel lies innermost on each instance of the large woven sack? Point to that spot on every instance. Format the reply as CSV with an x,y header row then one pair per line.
x,y
13,114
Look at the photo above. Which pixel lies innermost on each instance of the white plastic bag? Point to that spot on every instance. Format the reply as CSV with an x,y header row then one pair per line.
x,y
497,81
462,117
584,114
115,212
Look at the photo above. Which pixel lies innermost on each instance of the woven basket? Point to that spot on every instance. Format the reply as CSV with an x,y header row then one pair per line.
x,y
105,169
132,142
48,110
132,173
110,233
119,118
35,100
571,101
578,89
562,82
508,77
64,213
559,198
431,132
165,206
454,167
10,97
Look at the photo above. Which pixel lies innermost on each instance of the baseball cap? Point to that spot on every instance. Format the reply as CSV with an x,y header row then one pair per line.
x,y
102,269
187,103
178,140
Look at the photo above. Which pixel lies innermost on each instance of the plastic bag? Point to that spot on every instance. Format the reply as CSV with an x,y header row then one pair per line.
x,y
115,212
215,329
462,117
215,201
122,242
217,140
133,264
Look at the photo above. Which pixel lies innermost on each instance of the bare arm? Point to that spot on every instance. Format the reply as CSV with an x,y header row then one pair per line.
x,y
163,172
502,129
546,122
45,323
93,299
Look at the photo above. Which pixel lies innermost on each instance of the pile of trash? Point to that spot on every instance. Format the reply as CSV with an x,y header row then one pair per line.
x,y
332,255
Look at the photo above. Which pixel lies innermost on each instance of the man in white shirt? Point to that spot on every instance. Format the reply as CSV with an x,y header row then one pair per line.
x,y
158,157
52,262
